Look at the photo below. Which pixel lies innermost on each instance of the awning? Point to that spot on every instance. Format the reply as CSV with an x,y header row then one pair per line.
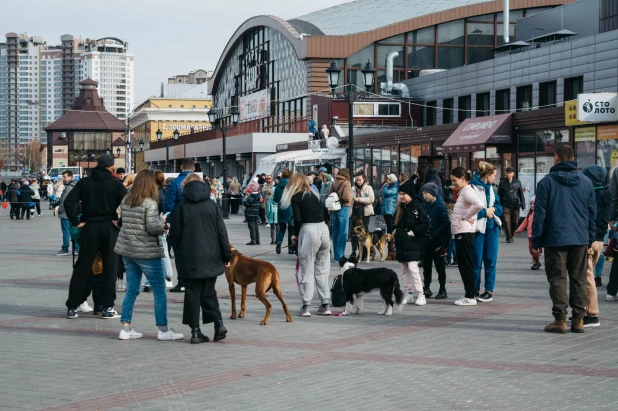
x,y
474,133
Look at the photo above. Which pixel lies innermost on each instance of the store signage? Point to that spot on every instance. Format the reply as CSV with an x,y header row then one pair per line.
x,y
597,107
314,145
585,134
570,114
185,127
256,105
607,133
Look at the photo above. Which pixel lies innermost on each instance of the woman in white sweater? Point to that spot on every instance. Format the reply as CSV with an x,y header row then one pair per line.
x,y
463,227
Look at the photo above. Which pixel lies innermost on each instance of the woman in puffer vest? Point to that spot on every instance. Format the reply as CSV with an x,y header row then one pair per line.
x,y
139,243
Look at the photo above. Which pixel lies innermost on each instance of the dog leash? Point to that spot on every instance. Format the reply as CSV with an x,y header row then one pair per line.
x,y
268,252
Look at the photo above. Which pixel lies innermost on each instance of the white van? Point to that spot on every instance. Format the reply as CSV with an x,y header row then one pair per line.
x,y
56,172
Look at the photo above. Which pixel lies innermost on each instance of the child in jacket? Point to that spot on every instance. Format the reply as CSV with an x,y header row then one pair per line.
x,y
527,225
272,210
252,205
438,241
411,227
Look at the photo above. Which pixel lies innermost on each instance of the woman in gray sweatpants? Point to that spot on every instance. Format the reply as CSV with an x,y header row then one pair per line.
x,y
313,239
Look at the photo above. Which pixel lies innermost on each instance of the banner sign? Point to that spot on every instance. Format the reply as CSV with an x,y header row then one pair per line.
x,y
597,107
256,105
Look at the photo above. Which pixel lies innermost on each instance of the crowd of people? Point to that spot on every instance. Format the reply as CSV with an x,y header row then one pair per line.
x,y
23,196
125,226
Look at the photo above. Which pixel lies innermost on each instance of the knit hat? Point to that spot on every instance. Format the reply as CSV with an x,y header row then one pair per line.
x,y
408,188
533,199
596,174
392,177
328,177
430,188
26,183
254,187
105,160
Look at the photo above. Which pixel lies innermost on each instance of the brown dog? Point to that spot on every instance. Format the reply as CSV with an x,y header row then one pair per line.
x,y
244,271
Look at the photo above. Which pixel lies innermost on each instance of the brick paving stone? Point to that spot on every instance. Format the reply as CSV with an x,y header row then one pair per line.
x,y
437,357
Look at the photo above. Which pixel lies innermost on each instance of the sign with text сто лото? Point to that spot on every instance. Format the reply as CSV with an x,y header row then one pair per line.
x,y
255,105
597,107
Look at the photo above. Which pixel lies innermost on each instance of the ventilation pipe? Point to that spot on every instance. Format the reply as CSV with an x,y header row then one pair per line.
x,y
389,71
506,22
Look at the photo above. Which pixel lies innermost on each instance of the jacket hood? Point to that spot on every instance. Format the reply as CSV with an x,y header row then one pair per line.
x,y
435,203
283,182
101,173
596,174
478,182
566,173
196,192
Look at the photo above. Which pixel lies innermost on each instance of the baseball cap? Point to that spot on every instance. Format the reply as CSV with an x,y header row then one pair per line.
x,y
510,170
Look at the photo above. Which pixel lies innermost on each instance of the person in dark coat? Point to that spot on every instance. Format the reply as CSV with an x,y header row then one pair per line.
x,y
285,216
411,227
3,188
203,252
253,204
439,239
13,197
512,199
565,224
25,199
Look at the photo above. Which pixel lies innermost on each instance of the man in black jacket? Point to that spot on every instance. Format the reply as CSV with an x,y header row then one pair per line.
x,y
13,197
512,198
100,195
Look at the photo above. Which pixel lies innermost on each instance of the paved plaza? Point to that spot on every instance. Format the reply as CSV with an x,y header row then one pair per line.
x,y
436,357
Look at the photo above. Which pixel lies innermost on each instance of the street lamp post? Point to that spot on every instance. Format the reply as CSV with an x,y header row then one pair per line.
x,y
333,73
167,146
217,123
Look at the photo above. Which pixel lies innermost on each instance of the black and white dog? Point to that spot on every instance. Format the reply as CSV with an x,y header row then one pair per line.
x,y
358,282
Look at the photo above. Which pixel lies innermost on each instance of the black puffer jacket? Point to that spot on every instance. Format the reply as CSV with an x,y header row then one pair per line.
x,y
199,235
415,219
11,192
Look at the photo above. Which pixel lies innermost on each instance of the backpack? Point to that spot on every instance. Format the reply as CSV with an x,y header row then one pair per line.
x,y
337,295
332,202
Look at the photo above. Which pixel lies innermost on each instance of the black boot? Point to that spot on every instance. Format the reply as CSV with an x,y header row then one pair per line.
x,y
441,294
197,336
428,293
220,331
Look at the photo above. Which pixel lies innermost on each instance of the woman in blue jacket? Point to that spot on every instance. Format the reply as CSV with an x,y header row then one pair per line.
x,y
487,229
389,201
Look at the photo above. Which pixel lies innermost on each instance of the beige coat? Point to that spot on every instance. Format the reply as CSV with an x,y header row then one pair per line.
x,y
141,228
365,196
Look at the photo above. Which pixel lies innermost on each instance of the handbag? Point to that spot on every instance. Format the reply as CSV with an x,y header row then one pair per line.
x,y
337,294
610,250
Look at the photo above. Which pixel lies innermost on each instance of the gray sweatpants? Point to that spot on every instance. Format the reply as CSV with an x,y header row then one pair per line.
x,y
314,255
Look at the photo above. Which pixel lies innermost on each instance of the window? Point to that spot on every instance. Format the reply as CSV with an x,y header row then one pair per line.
x,y
480,34
447,111
572,87
384,51
547,94
388,109
465,105
450,57
503,101
451,33
421,57
478,54
359,59
482,104
524,98
430,113
377,110
422,36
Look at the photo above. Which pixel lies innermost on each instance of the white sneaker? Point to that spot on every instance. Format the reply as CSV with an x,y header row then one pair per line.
x,y
121,285
420,300
85,308
408,299
466,301
610,297
169,335
267,225
131,335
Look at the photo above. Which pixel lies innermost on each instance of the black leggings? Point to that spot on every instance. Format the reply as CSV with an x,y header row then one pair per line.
x,y
388,219
464,246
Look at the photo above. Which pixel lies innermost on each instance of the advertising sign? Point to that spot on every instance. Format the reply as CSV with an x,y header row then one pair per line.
x,y
570,113
585,134
597,107
607,133
256,105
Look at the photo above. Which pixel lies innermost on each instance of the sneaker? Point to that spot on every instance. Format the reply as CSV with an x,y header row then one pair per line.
x,y
147,289
76,253
597,281
428,293
442,294
590,322
324,310
251,243
169,335
177,289
109,314
408,299
84,308
278,248
131,335
610,297
267,225
72,313
63,253
536,266
257,242
272,243
121,285
486,297
304,311
454,264
466,301
421,300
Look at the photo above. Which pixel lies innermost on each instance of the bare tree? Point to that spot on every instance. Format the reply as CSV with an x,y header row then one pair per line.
x,y
32,157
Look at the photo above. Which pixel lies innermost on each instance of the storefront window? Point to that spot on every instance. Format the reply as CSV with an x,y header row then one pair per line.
x,y
585,151
607,146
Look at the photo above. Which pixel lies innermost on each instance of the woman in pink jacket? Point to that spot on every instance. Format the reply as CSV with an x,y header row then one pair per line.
x,y
527,225
463,227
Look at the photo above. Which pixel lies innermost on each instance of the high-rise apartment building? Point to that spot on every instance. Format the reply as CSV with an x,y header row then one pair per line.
x,y
38,84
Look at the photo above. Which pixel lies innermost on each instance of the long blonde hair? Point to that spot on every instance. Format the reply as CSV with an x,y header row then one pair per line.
x,y
297,183
129,179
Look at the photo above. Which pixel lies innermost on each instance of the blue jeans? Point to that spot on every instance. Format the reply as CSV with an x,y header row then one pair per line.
x,y
153,270
486,252
340,222
65,224
451,254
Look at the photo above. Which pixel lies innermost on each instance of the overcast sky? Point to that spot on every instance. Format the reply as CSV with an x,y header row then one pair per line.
x,y
167,37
